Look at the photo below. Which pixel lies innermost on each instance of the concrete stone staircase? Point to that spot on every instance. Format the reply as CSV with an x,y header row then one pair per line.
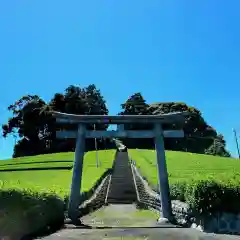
x,y
122,188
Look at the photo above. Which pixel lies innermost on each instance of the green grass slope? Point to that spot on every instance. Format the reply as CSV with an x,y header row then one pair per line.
x,y
187,167
207,183
55,174
56,169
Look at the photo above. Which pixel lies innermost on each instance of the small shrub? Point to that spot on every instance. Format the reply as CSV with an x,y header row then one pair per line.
x,y
24,212
177,191
207,197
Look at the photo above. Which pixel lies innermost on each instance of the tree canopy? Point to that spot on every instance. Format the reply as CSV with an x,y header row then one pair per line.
x,y
35,127
199,136
36,130
218,147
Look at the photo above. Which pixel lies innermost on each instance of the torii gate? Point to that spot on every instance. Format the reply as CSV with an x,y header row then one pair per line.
x,y
157,133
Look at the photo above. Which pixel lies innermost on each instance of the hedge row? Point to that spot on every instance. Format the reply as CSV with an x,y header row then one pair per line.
x,y
23,213
26,212
206,196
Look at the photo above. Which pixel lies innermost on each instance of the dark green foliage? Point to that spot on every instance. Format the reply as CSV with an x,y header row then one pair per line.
x,y
26,119
28,123
199,136
36,130
33,212
208,197
177,191
136,105
218,147
25,147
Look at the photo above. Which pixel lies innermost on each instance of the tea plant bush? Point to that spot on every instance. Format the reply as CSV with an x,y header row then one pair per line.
x,y
34,199
25,212
51,179
207,183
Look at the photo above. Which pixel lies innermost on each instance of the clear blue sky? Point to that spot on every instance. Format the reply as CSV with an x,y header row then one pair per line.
x,y
169,50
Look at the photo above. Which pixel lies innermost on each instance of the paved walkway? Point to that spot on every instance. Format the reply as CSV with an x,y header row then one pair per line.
x,y
126,222
136,234
121,215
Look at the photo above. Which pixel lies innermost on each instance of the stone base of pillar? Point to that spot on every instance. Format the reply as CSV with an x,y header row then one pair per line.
x,y
163,220
77,222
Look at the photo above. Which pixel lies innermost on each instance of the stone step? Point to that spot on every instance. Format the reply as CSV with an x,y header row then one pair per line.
x,y
124,173
126,195
122,187
122,193
122,201
121,182
120,177
126,179
121,190
130,198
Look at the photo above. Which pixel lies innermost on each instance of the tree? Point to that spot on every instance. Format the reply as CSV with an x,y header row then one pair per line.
x,y
76,100
199,136
35,127
32,122
136,105
95,102
27,123
218,147
96,105
25,108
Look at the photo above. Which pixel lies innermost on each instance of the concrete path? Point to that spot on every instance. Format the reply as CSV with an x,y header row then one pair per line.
x,y
126,222
135,234
121,215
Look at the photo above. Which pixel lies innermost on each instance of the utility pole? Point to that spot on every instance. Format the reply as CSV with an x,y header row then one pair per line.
x,y
236,140
95,140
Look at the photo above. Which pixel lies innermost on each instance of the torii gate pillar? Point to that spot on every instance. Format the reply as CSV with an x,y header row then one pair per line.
x,y
163,184
74,198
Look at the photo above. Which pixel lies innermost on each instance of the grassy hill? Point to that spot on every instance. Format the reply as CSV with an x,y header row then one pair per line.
x,y
52,172
188,167
31,186
207,183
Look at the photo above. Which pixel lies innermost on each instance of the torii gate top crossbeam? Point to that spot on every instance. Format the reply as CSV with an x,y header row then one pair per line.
x,y
177,117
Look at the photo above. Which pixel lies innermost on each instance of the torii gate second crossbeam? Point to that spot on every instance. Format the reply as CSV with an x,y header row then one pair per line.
x,y
157,133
